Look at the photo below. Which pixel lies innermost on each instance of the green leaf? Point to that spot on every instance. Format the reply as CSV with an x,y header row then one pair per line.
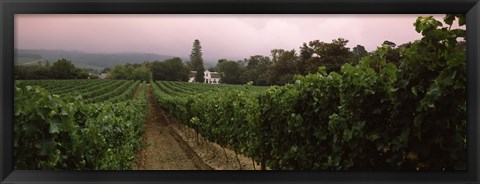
x,y
404,136
54,126
46,147
449,18
462,20
373,137
347,135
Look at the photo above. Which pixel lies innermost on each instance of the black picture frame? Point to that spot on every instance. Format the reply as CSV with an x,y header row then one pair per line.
x,y
9,8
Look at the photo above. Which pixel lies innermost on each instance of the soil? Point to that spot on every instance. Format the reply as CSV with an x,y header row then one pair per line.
x,y
136,91
216,156
170,145
163,149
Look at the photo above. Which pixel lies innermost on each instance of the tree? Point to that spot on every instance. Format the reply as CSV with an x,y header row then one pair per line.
x,y
393,53
359,52
170,70
213,69
189,65
177,71
106,70
197,61
389,43
142,73
331,55
306,54
22,72
81,74
118,72
63,69
255,69
231,72
130,72
283,68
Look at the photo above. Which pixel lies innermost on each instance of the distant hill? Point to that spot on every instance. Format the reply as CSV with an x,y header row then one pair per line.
x,y
26,58
85,60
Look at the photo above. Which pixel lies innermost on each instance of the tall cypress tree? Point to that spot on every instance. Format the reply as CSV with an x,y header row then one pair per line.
x,y
197,61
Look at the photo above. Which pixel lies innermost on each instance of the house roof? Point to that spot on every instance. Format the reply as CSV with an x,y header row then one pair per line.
x,y
215,75
212,74
192,73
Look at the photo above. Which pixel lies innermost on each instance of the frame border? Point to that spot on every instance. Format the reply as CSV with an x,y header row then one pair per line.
x,y
9,8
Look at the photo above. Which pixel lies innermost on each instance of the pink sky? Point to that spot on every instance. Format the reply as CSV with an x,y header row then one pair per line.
x,y
221,36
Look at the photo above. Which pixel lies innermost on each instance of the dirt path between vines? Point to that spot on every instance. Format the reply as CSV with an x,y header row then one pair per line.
x,y
164,150
135,94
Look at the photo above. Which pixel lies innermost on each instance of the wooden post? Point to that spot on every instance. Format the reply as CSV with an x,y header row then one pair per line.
x,y
198,143
238,160
262,164
226,157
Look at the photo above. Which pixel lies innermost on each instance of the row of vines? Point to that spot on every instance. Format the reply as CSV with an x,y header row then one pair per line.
x,y
370,116
92,91
53,131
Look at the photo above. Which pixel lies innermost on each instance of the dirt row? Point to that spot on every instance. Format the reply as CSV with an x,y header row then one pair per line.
x,y
161,150
135,94
169,145
216,156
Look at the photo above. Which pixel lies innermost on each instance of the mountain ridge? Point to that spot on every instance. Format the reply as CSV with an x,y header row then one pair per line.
x,y
89,60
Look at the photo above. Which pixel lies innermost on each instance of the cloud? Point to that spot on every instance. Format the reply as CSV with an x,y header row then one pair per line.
x,y
222,36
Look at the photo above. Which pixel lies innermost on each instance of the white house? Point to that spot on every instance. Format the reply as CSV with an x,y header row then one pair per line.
x,y
210,77
103,76
191,76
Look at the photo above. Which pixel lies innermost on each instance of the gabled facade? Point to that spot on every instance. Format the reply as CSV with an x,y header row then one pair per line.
x,y
210,77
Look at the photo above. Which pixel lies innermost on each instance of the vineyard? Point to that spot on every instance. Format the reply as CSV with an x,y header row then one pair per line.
x,y
77,124
86,124
373,115
369,116
352,120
